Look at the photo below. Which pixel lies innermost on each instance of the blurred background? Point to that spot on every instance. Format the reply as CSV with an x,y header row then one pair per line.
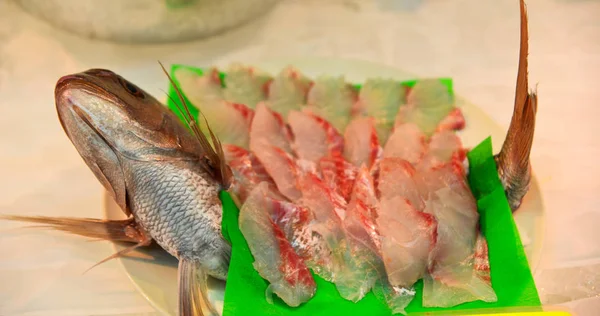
x,y
473,41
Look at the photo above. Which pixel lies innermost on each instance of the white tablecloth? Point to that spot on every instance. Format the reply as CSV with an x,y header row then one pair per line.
x,y
475,42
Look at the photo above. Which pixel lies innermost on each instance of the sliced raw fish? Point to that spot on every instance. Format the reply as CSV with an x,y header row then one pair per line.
x,y
268,127
288,91
399,178
328,209
444,147
314,137
361,143
247,170
406,142
338,174
407,237
282,167
245,85
332,98
274,257
381,98
454,121
453,278
201,90
428,103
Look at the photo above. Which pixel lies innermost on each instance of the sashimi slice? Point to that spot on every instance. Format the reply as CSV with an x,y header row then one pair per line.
x,y
363,249
269,128
398,178
454,121
201,90
247,170
406,142
288,91
444,147
407,237
245,85
282,167
314,138
428,103
230,122
361,143
328,209
381,98
453,278
338,174
274,257
332,99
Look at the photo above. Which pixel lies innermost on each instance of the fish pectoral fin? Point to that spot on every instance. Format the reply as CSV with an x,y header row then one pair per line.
x,y
122,252
193,289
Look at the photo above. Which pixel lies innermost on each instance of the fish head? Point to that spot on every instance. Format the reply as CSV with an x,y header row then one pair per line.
x,y
129,120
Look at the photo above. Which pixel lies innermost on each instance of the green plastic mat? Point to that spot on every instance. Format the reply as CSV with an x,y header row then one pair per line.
x,y
245,292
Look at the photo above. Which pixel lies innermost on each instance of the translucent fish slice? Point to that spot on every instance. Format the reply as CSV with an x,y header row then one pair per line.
x,y
247,170
454,121
361,143
314,137
245,85
398,178
288,91
332,99
274,257
338,174
201,90
381,98
453,279
268,127
406,142
428,103
282,168
444,147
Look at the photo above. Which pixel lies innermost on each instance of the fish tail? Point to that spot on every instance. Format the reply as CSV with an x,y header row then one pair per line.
x,y
114,230
193,289
513,161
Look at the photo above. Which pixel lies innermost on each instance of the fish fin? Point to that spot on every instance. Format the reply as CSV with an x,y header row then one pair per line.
x,y
122,252
193,289
513,162
213,158
114,230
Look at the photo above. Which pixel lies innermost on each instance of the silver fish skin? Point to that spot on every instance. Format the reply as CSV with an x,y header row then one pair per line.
x,y
150,163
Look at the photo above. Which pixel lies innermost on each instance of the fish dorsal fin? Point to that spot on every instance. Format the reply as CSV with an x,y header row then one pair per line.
x,y
211,159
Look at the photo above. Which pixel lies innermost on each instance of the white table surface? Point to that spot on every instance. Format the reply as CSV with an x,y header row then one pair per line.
x,y
475,42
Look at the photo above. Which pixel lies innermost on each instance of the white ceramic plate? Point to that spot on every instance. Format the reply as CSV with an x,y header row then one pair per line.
x,y
156,278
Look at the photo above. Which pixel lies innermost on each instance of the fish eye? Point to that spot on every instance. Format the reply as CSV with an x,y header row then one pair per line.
x,y
131,88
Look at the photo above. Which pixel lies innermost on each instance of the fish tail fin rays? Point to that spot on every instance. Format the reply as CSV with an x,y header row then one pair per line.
x,y
113,230
193,290
213,159
513,161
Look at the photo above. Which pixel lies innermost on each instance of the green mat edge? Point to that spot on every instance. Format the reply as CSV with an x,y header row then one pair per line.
x,y
488,191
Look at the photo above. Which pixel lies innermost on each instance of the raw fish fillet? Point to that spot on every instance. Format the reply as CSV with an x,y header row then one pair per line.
x,y
361,143
314,138
381,99
282,167
444,147
245,85
328,209
453,275
332,99
201,90
268,127
399,178
428,104
247,170
454,121
288,91
406,142
274,257
338,175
